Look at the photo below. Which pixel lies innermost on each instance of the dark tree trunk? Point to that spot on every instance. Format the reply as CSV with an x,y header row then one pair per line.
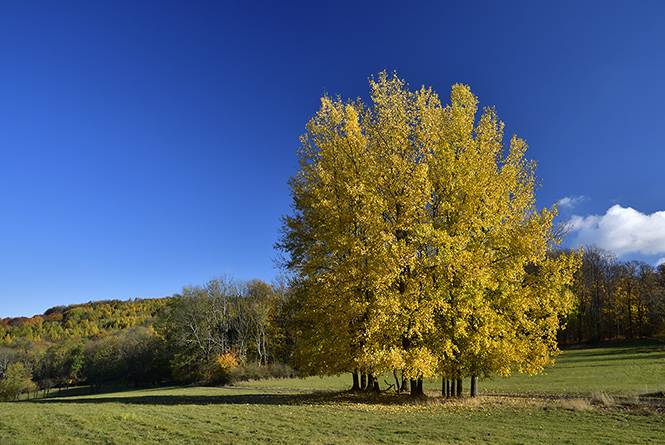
x,y
451,390
474,386
397,384
443,387
417,388
580,319
363,381
405,384
459,387
356,382
370,382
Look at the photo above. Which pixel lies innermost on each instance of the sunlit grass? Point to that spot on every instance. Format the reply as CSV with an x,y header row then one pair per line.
x,y
627,369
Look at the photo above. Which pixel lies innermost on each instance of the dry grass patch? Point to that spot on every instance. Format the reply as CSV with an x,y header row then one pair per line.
x,y
602,399
575,404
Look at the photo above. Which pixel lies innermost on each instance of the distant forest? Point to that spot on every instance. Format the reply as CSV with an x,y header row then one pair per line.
x,y
227,330
615,300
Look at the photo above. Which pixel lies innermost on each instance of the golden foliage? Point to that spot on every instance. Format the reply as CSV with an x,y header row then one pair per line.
x,y
416,243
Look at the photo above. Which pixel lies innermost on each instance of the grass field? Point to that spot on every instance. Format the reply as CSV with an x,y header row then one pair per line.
x,y
590,396
622,369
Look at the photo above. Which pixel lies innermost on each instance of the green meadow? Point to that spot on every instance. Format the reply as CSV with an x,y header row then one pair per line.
x,y
605,394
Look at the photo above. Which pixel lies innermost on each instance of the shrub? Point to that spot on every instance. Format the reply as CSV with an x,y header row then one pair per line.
x,y
255,372
223,368
14,383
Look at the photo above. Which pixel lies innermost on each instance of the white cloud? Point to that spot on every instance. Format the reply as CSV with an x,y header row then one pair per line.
x,y
571,201
622,230
660,261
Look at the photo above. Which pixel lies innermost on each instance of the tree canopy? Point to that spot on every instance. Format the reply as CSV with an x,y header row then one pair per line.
x,y
415,242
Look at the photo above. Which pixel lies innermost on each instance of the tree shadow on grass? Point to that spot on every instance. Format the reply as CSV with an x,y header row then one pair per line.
x,y
614,348
652,403
238,396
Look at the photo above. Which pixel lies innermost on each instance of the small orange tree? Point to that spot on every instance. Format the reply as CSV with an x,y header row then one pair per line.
x,y
223,367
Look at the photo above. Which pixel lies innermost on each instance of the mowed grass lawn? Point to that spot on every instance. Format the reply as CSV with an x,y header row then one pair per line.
x,y
591,395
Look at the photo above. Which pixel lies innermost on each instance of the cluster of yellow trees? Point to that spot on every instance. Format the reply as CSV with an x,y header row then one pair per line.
x,y
225,330
415,243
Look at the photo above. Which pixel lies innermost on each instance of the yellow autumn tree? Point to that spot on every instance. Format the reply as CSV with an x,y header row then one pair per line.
x,y
416,244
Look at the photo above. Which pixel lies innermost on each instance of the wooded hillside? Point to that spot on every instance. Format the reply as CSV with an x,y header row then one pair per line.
x,y
81,320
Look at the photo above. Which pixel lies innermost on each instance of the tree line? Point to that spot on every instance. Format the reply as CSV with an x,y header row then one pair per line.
x,y
615,299
228,324
221,331
91,342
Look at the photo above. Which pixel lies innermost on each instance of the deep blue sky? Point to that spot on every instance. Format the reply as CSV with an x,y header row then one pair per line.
x,y
146,145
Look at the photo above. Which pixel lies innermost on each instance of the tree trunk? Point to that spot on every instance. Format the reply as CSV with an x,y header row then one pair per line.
x,y
443,387
356,382
580,319
405,384
459,387
397,382
474,386
363,381
372,383
451,390
417,388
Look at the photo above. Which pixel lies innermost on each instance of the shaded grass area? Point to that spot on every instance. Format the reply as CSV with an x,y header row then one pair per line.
x,y
318,411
